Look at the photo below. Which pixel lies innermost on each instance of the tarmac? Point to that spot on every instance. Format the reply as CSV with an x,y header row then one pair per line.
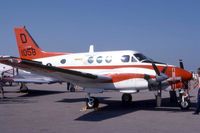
x,y
51,109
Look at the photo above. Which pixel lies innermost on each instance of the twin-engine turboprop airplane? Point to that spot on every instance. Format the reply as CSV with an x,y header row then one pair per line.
x,y
124,71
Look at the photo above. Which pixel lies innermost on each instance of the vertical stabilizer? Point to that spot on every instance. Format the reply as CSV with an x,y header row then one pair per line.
x,y
28,48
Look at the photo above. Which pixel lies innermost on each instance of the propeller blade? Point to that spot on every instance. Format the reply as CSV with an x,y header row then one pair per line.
x,y
182,67
164,69
181,64
156,69
160,76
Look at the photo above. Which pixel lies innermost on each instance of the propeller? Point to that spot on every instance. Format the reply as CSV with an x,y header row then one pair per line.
x,y
160,76
182,67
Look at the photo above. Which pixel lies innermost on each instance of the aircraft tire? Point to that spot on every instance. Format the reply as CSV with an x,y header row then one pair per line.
x,y
92,103
185,105
126,98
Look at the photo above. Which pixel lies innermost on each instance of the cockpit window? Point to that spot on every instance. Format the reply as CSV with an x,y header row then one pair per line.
x,y
133,59
143,58
125,58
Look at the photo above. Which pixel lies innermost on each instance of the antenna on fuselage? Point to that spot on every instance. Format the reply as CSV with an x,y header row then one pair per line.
x,y
91,49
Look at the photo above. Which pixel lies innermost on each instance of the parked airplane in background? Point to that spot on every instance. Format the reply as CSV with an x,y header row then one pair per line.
x,y
124,71
6,71
10,75
5,68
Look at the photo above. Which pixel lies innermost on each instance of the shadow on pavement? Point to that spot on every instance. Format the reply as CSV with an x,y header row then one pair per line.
x,y
16,100
25,97
116,108
75,100
35,93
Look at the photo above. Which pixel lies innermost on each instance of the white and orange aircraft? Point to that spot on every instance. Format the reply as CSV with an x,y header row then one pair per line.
x,y
124,71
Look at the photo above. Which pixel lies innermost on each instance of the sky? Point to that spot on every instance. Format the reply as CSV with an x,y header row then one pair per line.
x,y
164,30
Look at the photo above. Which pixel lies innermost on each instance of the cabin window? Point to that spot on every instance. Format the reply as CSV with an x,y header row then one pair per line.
x,y
99,59
125,58
90,59
63,61
108,59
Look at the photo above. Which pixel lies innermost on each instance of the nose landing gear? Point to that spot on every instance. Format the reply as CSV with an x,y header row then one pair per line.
x,y
184,100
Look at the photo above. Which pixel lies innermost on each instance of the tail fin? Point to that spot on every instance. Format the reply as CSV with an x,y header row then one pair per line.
x,y
28,48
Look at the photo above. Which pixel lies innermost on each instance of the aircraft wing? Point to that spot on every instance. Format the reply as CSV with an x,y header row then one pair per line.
x,y
32,79
54,72
28,80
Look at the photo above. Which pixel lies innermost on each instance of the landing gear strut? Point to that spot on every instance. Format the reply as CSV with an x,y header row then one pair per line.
x,y
70,87
23,88
2,91
184,100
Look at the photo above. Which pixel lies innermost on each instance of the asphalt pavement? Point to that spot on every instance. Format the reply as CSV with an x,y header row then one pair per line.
x,y
51,109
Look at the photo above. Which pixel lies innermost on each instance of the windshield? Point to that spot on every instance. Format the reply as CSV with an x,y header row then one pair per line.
x,y
143,58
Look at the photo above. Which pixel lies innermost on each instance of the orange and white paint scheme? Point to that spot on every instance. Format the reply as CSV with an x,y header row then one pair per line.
x,y
125,71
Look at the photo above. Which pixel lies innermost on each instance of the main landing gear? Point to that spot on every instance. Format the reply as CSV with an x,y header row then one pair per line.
x,y
70,87
126,98
92,102
23,88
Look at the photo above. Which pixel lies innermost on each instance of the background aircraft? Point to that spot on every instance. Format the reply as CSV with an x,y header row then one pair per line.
x,y
10,75
124,71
